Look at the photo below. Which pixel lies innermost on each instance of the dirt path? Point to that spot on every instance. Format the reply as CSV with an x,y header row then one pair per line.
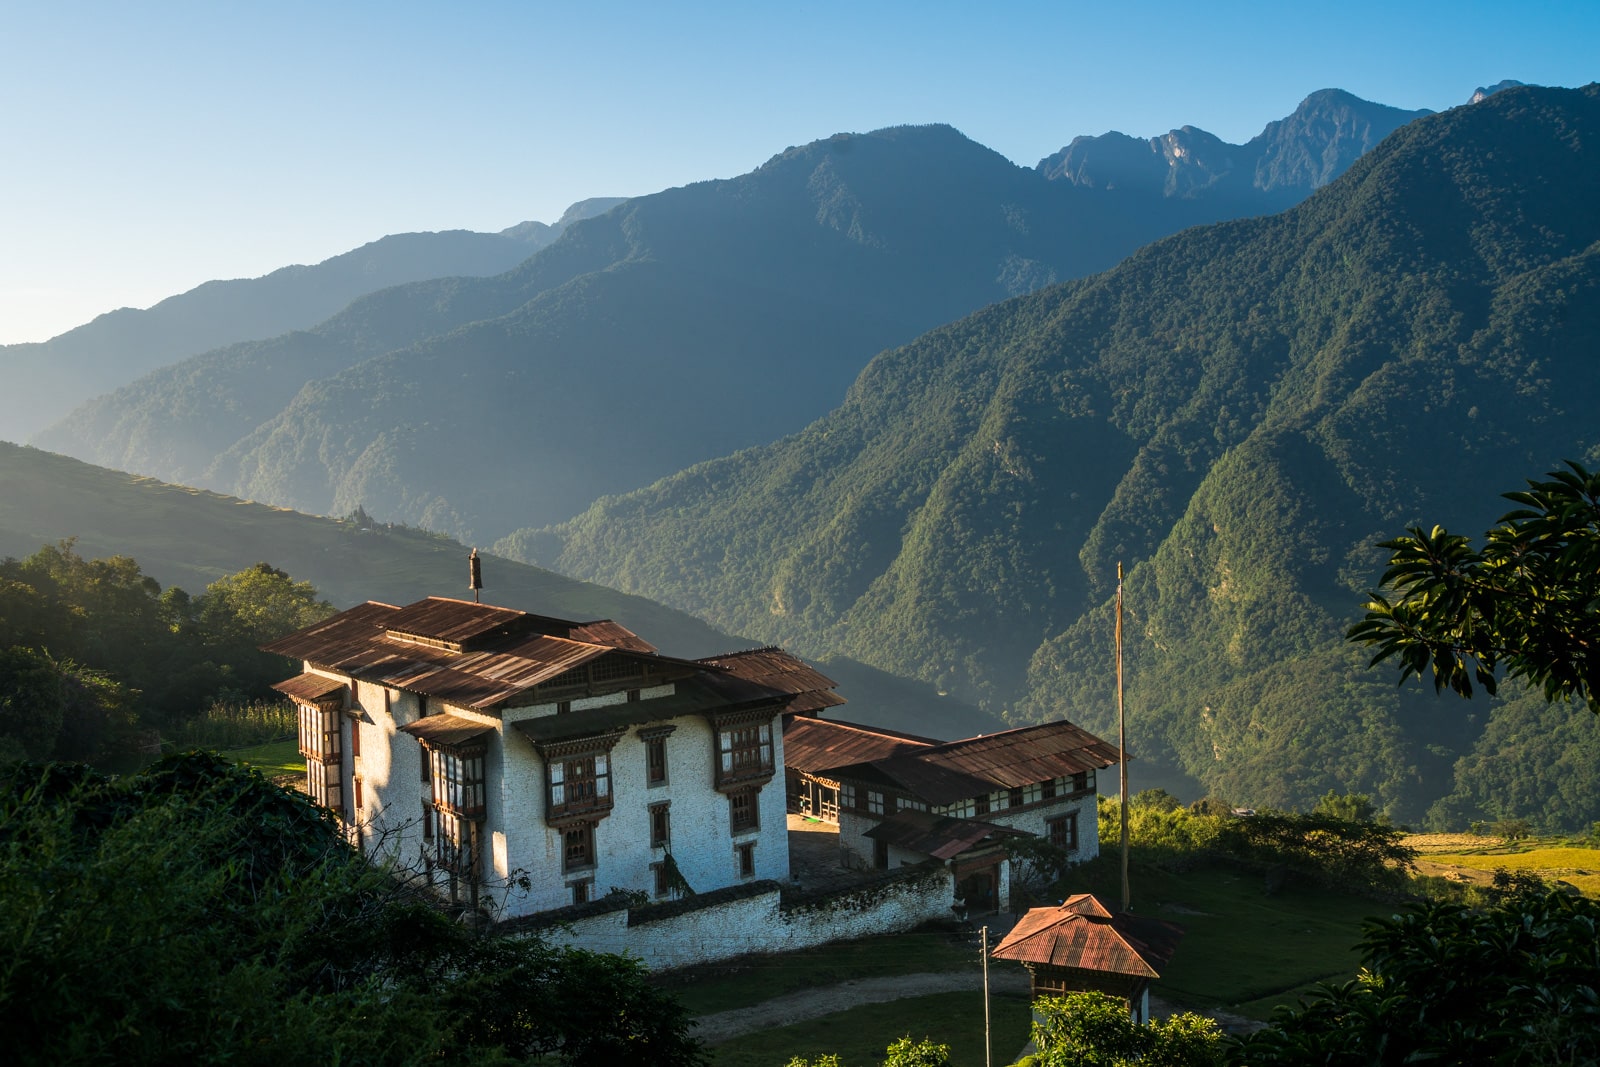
x,y
809,1004
815,1003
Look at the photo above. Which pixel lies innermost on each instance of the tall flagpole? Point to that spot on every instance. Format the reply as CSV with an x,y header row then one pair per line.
x,y
1122,744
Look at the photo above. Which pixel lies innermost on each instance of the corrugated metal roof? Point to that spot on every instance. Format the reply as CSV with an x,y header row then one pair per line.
x,y
1011,759
773,668
1083,934
507,652
447,729
449,619
309,688
939,836
810,745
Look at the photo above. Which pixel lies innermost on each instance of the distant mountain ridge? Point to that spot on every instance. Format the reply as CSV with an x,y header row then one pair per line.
x,y
47,379
680,326
1238,413
1288,160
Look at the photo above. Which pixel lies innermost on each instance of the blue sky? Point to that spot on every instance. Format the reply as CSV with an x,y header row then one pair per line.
x,y
150,147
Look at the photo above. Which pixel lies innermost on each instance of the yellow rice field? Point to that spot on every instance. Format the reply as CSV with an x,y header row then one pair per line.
x,y
1578,866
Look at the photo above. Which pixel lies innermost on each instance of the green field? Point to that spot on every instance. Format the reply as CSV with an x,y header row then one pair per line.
x,y
859,1036
275,760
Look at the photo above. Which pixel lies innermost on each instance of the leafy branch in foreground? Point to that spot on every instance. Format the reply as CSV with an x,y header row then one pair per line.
x,y
1528,602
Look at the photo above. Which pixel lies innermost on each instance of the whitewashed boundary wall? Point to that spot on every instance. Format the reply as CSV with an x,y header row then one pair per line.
x,y
757,917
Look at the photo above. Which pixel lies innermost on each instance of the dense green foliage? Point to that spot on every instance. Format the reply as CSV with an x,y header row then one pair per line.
x,y
902,1053
1095,1030
680,326
1527,602
94,653
1237,412
1333,846
1510,984
195,913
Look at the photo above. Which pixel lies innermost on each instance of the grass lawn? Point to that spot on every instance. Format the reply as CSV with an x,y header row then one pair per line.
x,y
860,1035
753,979
1242,949
273,760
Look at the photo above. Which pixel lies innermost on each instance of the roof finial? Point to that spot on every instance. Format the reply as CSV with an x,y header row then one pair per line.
x,y
475,578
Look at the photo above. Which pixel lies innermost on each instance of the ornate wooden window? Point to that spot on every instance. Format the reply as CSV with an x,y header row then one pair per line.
x,y
323,781
743,811
874,802
1047,790
582,783
980,804
1081,781
663,884
458,780
320,727
1014,798
577,847
577,776
847,796
744,751
660,825
454,842
746,854
655,753
1063,831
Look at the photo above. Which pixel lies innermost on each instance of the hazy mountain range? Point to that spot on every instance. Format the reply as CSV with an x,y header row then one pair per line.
x,y
48,379
675,328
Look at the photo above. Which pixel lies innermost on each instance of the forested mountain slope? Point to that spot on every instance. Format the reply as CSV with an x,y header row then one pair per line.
x,y
678,327
1237,412
190,538
48,379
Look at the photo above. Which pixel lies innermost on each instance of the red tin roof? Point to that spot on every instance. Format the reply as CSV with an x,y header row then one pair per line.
x,y
485,657
939,836
1083,934
810,690
810,745
1011,759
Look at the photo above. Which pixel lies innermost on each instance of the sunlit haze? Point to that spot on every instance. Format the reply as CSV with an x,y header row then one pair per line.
x,y
153,147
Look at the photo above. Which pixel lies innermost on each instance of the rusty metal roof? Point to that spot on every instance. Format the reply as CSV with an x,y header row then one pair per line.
x,y
810,745
810,690
507,652
309,688
485,657
1083,934
1011,759
447,729
939,836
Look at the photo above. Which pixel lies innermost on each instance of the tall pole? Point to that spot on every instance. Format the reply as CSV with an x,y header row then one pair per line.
x,y
988,1060
1122,744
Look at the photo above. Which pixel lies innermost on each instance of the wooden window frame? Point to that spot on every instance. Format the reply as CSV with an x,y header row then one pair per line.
x,y
577,847
579,784
655,761
744,810
744,751
661,824
1062,831
744,855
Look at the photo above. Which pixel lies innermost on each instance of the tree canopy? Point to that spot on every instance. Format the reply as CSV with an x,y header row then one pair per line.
x,y
195,913
1526,603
